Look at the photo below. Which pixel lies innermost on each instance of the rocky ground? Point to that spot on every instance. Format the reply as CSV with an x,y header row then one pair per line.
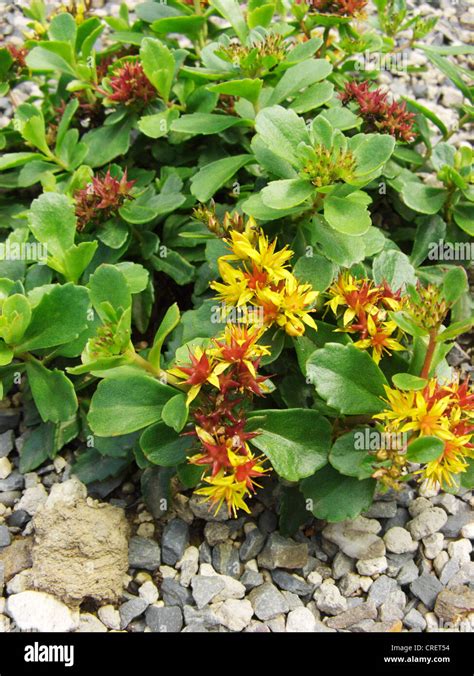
x,y
101,562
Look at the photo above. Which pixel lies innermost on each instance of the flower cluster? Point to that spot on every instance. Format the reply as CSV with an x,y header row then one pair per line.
x,y
365,309
224,377
259,57
328,166
427,307
130,86
18,55
378,113
341,7
262,280
101,199
445,411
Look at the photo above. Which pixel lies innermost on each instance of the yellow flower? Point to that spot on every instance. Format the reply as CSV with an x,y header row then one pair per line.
x,y
452,461
357,294
234,290
222,487
379,339
261,252
201,370
295,306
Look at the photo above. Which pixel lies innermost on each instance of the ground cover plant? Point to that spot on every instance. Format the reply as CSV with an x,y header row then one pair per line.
x,y
228,253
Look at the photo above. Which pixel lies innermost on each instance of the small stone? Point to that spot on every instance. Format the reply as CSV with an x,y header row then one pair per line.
x,y
206,617
293,600
143,553
315,578
20,582
418,506
456,522
267,521
89,623
449,502
382,510
174,594
426,588
267,602
358,538
188,565
300,620
164,620
364,611
329,600
280,552
110,616
216,532
205,588
414,620
18,518
252,545
429,521
393,608
130,610
148,592
291,583
400,519
251,579
433,544
371,567
233,589
146,530
440,561
6,443
467,531
341,565
449,571
205,553
277,624
225,559
5,537
380,589
14,482
408,573
37,611
201,510
235,614
174,541
16,557
32,498
399,541
350,584
460,550
256,627
453,604
5,467
9,498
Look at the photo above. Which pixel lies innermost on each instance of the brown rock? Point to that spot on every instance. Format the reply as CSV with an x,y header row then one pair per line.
x,y
81,547
454,604
366,611
16,557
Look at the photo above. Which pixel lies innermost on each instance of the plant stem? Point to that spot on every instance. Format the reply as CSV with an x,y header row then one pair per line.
x,y
429,353
157,372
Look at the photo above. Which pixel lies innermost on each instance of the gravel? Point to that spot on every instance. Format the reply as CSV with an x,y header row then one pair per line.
x,y
164,620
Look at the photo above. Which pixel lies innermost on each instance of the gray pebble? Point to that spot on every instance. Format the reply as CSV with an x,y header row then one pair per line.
x,y
381,588
130,610
291,583
5,537
164,620
143,553
267,602
225,559
252,545
174,541
426,588
174,594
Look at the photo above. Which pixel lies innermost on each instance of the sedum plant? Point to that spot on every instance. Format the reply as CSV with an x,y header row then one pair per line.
x,y
226,253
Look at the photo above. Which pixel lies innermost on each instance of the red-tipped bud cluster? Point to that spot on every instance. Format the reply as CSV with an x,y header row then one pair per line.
x,y
101,198
379,114
341,7
18,55
130,85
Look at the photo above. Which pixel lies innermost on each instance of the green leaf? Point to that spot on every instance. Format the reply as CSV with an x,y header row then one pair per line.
x,y
107,142
395,268
313,97
127,403
169,322
108,287
136,275
334,497
246,88
92,466
371,151
12,160
287,194
63,28
52,221
175,412
341,249
188,25
416,106
315,270
348,215
423,198
175,266
464,217
282,131
451,70
204,123
284,439
454,330
407,324
214,175
425,449
158,124
406,381
467,477
297,77
51,56
52,392
350,456
429,232
163,446
347,379
231,10
158,64
455,284
59,317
